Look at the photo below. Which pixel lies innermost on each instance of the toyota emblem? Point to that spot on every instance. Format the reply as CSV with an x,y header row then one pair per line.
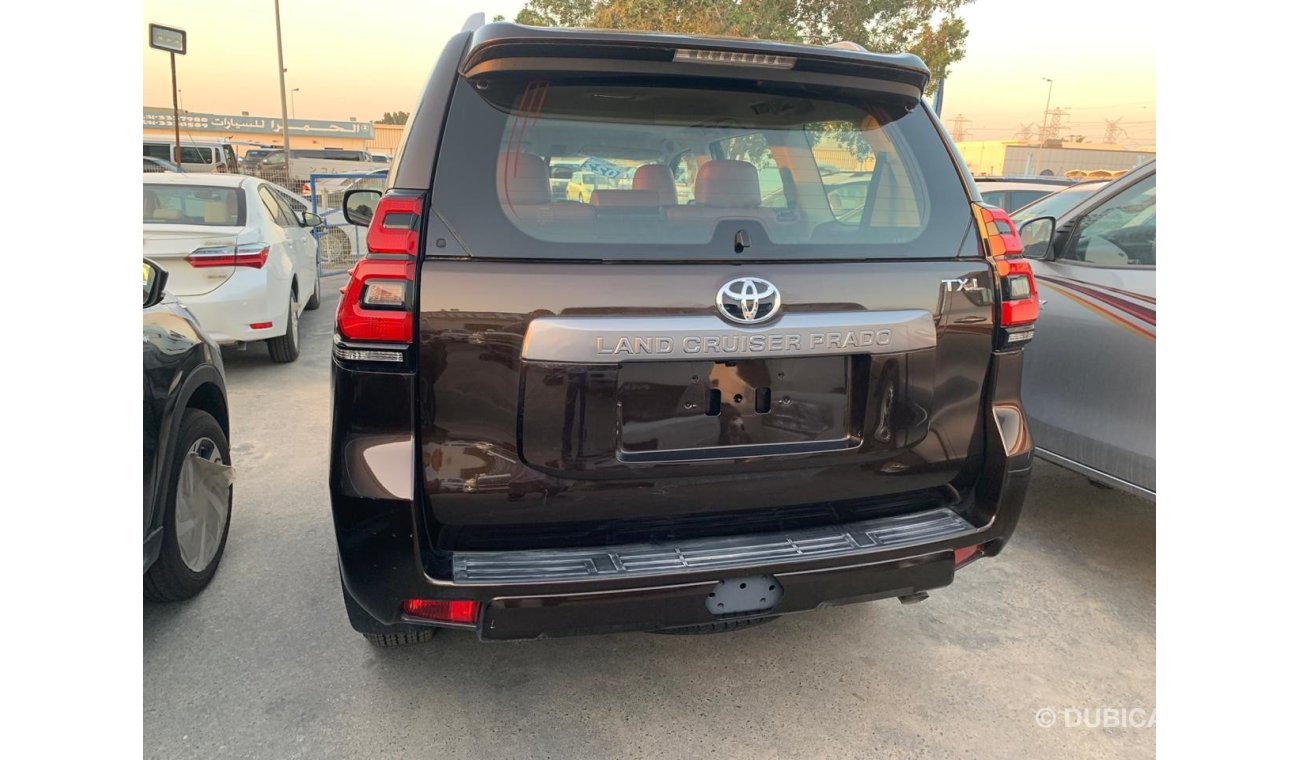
x,y
749,300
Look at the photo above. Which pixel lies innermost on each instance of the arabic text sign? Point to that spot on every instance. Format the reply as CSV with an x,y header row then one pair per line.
x,y
211,122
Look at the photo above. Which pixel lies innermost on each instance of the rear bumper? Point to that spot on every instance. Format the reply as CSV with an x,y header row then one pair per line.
x,y
383,554
663,607
245,299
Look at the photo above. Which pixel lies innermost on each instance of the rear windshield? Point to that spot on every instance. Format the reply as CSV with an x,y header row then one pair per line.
x,y
656,167
194,204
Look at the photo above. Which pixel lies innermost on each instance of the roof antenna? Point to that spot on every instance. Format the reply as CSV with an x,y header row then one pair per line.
x,y
474,22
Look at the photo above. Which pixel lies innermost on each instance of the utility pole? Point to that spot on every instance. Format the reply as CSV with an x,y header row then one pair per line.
x,y
959,128
1042,133
173,41
284,100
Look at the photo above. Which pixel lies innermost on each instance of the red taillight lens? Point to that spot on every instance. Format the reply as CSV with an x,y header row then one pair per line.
x,y
442,610
395,227
359,320
1017,291
377,298
248,255
997,230
1019,294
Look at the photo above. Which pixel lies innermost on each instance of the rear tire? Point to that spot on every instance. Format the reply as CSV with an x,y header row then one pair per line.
x,y
379,634
313,303
722,626
391,640
284,349
170,579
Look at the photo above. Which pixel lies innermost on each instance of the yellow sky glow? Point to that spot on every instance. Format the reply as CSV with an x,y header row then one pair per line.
x,y
350,59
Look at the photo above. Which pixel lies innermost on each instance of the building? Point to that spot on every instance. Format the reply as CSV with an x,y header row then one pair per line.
x,y
246,131
1019,158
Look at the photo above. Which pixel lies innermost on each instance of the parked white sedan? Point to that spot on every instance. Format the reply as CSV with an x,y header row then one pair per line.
x,y
238,254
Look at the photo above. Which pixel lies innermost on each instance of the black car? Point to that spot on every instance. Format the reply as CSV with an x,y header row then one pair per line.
x,y
187,474
703,397
253,159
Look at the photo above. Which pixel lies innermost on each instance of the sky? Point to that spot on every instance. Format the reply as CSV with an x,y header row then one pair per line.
x,y
350,59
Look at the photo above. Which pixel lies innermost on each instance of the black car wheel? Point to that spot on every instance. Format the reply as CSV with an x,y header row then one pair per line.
x,y
194,527
284,349
313,303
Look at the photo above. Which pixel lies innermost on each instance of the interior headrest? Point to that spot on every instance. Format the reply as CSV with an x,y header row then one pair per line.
x,y
729,184
656,177
523,179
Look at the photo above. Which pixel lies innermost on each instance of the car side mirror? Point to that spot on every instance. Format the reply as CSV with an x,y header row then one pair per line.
x,y
359,206
311,220
1036,236
155,281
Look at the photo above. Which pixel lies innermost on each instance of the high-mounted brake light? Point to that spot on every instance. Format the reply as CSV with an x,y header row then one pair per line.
x,y
247,255
1017,291
377,301
462,611
728,58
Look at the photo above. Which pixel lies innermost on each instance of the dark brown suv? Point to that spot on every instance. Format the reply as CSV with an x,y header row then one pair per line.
x,y
699,397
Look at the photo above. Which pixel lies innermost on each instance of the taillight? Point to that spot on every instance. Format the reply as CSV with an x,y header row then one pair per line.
x,y
395,227
1017,291
247,255
462,611
378,298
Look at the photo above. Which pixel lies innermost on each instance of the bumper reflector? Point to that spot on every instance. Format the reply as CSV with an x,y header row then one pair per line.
x,y
259,325
460,611
964,555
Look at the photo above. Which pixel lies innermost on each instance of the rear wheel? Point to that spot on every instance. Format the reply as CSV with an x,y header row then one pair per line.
x,y
313,303
379,634
390,640
284,349
194,527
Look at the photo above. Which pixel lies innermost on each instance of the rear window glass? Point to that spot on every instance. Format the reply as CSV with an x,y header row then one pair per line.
x,y
655,167
193,204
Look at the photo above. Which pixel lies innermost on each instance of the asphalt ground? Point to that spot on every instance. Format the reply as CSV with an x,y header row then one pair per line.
x,y
1057,629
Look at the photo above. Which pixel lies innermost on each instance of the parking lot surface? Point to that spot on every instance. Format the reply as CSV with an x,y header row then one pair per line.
x,y
264,664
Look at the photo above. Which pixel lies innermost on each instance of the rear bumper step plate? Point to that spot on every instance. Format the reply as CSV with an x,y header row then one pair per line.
x,y
848,541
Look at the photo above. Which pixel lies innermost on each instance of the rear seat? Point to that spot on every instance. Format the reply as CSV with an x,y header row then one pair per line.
x,y
625,199
657,178
523,184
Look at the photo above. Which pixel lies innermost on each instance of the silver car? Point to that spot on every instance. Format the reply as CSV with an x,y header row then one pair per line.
x,y
1090,376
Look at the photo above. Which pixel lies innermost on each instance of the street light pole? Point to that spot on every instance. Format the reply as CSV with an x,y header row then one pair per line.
x,y
1042,133
284,101
176,109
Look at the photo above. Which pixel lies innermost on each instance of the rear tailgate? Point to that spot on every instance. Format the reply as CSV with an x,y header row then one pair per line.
x,y
565,437
577,363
